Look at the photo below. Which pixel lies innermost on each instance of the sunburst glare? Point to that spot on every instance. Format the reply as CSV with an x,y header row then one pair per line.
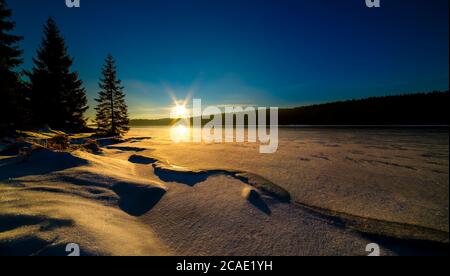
x,y
180,111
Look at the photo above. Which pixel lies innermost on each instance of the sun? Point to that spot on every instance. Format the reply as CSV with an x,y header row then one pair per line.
x,y
180,111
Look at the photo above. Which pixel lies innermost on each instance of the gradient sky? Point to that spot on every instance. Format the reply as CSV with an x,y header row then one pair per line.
x,y
260,52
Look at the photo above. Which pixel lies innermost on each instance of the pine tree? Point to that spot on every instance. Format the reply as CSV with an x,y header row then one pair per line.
x,y
10,85
112,111
58,97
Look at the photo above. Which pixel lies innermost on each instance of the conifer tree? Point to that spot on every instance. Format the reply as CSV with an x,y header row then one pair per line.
x,y
112,111
10,85
58,97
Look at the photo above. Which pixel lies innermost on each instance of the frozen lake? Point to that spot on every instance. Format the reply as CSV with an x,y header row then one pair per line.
x,y
389,174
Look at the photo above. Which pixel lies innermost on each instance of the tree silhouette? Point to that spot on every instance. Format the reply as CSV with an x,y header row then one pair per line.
x,y
112,111
58,97
10,85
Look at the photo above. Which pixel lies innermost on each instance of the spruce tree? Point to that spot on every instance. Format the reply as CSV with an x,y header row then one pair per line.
x,y
58,97
112,111
10,85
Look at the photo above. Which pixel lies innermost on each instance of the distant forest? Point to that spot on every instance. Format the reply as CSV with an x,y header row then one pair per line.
x,y
408,109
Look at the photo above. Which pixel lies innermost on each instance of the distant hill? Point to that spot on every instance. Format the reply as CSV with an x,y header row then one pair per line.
x,y
156,122
409,109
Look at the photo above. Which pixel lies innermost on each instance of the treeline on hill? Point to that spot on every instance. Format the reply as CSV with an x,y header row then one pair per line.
x,y
52,94
408,109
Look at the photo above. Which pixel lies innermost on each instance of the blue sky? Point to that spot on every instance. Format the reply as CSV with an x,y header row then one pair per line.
x,y
260,52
